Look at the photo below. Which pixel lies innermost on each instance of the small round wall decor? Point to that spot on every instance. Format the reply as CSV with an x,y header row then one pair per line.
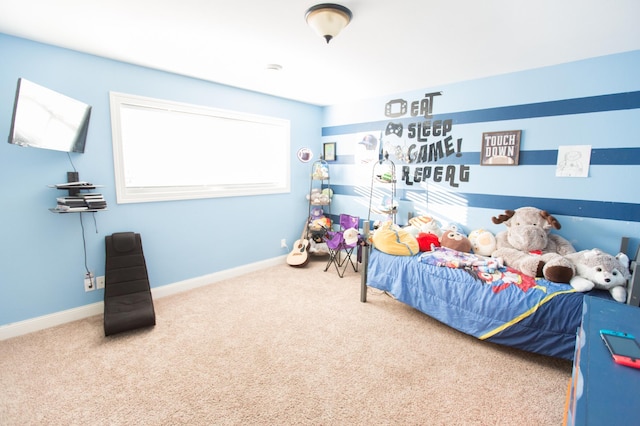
x,y
305,155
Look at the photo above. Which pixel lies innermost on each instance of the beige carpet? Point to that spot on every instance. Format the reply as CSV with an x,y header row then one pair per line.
x,y
276,347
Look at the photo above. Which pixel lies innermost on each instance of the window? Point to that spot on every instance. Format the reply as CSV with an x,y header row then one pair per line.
x,y
165,150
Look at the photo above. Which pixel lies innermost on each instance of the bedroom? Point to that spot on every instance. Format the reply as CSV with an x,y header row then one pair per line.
x,y
184,241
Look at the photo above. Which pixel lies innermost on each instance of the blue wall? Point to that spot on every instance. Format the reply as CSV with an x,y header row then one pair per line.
x,y
41,259
593,102
41,255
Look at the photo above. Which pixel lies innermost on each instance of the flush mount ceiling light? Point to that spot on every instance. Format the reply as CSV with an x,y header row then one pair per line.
x,y
328,19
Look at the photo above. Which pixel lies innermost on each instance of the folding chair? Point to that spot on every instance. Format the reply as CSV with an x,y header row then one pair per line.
x,y
334,240
343,241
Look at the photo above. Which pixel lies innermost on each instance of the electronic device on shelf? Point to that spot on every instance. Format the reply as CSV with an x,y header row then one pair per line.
x,y
78,201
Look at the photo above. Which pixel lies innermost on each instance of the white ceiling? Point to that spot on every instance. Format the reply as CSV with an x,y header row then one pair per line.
x,y
391,46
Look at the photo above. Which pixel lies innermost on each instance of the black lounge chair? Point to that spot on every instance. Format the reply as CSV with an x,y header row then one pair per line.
x,y
128,304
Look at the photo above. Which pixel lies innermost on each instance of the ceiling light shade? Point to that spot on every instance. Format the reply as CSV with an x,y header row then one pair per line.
x,y
328,19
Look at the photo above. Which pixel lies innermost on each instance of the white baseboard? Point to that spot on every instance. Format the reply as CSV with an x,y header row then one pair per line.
x,y
169,289
81,312
51,320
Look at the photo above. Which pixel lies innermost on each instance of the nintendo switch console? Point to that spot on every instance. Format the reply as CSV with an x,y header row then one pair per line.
x,y
623,347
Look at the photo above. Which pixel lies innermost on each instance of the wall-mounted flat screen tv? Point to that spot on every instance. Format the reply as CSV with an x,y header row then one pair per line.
x,y
44,118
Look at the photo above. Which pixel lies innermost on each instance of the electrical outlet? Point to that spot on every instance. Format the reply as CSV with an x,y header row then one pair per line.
x,y
283,243
89,282
100,282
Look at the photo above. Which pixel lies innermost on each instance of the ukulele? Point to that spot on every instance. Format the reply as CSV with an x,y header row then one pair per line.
x,y
299,256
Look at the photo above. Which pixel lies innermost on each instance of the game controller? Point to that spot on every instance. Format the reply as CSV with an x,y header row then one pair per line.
x,y
393,129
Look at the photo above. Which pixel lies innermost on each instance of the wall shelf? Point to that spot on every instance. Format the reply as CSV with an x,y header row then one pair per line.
x,y
78,201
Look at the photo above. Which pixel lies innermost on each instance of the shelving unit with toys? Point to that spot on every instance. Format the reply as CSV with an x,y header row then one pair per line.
x,y
382,199
319,197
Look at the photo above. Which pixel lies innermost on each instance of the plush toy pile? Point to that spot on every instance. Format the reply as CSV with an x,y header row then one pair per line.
x,y
430,234
319,197
528,245
318,220
423,234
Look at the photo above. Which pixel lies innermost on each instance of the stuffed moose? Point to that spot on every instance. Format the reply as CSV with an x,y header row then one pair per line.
x,y
528,245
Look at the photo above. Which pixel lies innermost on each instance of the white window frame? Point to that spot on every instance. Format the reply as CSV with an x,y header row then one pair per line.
x,y
231,154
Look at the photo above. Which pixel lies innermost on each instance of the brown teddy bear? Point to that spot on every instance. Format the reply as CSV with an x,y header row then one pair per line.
x,y
455,240
529,246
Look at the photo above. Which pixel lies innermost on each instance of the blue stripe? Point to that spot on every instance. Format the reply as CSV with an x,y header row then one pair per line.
x,y
609,156
612,102
562,207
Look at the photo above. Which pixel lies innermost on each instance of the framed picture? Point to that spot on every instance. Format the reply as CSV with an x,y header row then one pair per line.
x,y
500,148
329,151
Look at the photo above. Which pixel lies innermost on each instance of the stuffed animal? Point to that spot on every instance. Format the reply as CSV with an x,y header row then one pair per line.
x,y
320,224
426,224
318,197
427,241
597,269
391,239
317,213
412,230
314,196
453,226
529,246
432,227
455,240
320,171
483,242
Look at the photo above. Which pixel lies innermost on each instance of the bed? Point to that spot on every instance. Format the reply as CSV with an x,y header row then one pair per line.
x,y
494,305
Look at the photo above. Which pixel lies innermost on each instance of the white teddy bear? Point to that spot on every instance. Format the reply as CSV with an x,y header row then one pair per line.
x,y
597,269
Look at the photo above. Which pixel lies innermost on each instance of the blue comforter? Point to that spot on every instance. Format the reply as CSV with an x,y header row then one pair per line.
x,y
537,315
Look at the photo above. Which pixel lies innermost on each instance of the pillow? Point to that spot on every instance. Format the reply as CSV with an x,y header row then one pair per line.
x,y
392,239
